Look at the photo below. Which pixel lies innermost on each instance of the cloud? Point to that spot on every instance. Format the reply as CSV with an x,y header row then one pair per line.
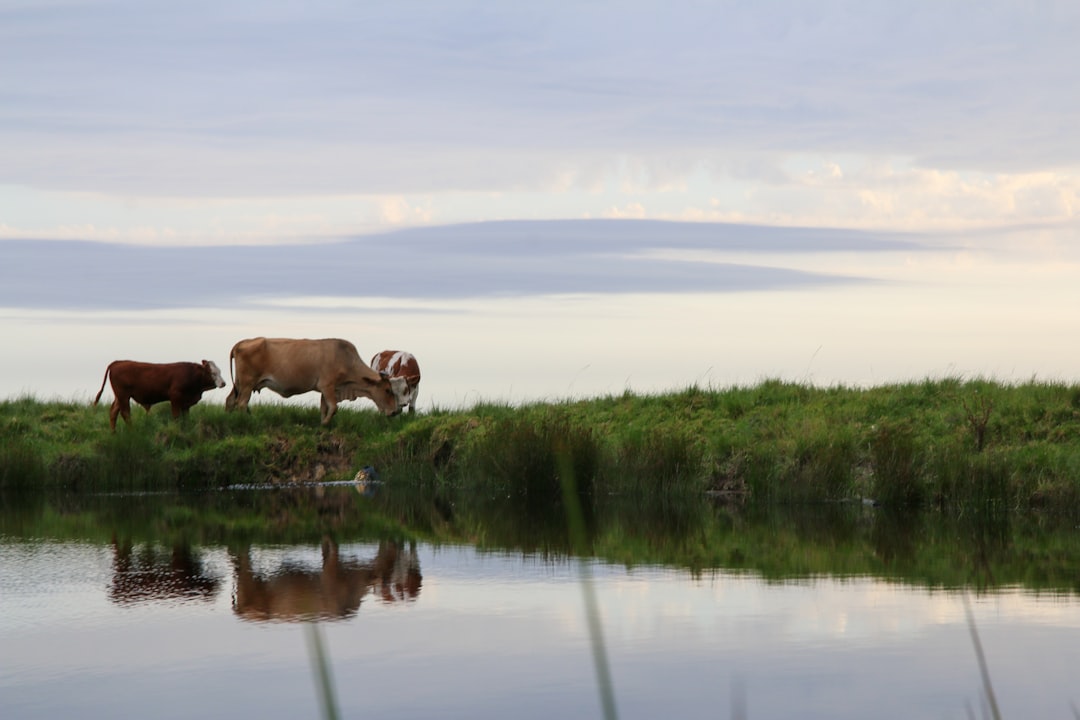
x,y
397,211
484,260
275,98
894,195
631,211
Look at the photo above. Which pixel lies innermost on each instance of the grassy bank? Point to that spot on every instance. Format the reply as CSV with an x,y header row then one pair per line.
x,y
941,443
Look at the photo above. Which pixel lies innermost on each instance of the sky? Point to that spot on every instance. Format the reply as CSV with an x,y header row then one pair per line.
x,y
431,174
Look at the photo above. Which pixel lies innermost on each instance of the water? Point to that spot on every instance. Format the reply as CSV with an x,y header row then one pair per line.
x,y
100,628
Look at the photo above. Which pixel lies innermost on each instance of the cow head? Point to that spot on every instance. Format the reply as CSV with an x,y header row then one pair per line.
x,y
384,396
401,389
215,373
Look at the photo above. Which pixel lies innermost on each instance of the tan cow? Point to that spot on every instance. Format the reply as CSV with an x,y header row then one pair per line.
x,y
291,367
404,373
181,383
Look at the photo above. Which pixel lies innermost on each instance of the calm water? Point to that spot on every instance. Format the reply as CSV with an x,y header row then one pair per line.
x,y
96,629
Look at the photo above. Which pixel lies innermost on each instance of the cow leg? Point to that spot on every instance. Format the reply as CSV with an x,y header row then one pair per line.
x,y
232,399
114,410
121,407
237,399
328,407
181,403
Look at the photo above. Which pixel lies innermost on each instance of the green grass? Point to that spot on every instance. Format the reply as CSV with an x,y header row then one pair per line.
x,y
946,443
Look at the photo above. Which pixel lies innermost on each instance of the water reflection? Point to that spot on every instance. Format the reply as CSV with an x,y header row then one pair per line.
x,y
147,572
292,592
704,611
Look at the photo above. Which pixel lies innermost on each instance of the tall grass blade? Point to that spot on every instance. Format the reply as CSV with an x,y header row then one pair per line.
x,y
321,668
988,688
576,522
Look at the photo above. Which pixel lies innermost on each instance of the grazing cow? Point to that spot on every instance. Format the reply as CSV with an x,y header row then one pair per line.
x,y
404,373
181,383
290,367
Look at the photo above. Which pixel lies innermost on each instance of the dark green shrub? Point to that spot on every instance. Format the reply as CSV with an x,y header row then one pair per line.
x,y
824,466
655,460
894,458
20,464
527,454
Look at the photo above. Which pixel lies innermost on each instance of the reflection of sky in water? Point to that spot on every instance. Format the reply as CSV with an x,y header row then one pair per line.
x,y
493,635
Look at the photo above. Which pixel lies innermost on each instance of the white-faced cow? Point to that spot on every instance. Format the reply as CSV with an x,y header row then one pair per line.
x,y
291,367
404,373
181,383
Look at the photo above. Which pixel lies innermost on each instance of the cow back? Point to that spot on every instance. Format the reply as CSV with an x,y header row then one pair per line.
x,y
150,383
397,363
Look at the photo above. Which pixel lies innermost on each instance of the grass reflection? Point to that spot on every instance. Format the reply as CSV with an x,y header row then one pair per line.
x,y
983,551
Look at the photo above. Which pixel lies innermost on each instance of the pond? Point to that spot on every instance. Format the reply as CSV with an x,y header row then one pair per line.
x,y
154,606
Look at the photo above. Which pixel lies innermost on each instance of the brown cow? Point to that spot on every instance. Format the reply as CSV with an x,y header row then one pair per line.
x,y
181,383
404,373
291,367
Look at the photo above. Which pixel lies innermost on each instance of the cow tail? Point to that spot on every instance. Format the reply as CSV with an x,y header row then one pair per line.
x,y
98,396
232,376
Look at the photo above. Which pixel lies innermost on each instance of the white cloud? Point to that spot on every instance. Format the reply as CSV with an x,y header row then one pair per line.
x,y
634,211
884,195
398,211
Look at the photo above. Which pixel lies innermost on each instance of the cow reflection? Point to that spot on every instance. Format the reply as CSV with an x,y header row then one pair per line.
x,y
331,592
152,573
